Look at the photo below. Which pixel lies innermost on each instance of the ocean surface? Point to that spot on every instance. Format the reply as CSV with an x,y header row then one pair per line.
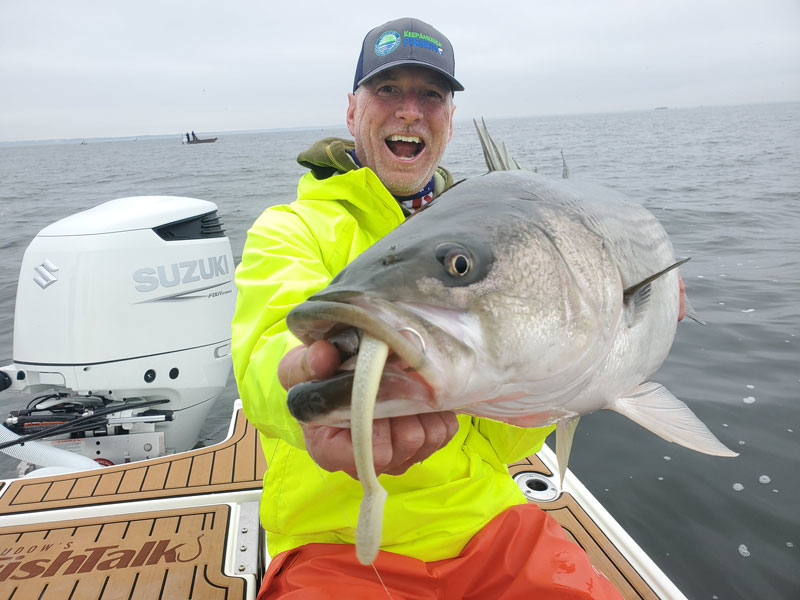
x,y
724,181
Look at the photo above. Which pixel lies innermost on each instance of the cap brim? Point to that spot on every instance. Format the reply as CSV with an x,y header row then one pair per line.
x,y
454,84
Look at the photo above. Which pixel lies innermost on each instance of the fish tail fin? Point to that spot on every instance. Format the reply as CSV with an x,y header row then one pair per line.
x,y
496,156
653,406
565,433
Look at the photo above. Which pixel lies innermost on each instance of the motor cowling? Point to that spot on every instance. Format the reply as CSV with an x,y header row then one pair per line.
x,y
131,299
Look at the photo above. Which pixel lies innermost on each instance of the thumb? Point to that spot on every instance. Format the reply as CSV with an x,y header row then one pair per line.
x,y
294,367
304,363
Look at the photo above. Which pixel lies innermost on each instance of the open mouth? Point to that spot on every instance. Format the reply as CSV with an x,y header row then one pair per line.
x,y
405,147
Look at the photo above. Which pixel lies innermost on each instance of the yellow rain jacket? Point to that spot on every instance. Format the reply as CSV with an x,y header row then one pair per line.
x,y
291,252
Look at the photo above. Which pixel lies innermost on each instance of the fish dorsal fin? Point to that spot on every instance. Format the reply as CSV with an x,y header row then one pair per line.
x,y
496,156
653,406
564,167
565,433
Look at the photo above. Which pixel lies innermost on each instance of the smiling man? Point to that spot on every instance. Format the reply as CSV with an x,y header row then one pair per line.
x,y
455,524
402,119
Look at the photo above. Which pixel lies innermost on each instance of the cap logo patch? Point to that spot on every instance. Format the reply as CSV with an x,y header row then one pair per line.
x,y
387,42
414,38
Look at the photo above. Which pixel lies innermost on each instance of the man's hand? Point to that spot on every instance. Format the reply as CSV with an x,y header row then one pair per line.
x,y
397,442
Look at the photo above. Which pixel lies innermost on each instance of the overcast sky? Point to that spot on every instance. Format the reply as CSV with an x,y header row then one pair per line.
x,y
81,69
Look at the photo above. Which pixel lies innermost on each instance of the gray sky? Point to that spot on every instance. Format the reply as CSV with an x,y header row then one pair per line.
x,y
81,68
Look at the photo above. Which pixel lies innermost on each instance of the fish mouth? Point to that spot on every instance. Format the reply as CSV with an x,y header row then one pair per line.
x,y
405,147
344,322
336,321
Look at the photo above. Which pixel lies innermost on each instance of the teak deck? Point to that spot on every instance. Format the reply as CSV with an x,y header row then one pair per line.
x,y
183,526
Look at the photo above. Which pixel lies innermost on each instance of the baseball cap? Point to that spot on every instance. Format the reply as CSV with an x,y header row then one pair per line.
x,y
406,41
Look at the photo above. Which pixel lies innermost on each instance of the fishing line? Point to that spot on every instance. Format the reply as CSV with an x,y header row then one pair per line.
x,y
378,575
349,521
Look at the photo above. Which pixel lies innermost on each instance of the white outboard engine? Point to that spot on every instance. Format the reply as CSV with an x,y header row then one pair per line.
x,y
122,328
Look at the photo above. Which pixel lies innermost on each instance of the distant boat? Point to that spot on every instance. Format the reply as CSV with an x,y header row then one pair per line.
x,y
660,108
196,140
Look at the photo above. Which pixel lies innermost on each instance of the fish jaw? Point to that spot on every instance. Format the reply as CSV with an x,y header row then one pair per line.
x,y
328,401
427,365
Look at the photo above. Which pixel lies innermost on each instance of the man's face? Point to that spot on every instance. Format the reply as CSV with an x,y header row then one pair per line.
x,y
401,120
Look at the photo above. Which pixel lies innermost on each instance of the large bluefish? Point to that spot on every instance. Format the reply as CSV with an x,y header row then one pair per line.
x,y
515,297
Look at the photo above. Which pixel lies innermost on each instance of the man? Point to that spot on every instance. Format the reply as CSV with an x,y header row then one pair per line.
x,y
455,524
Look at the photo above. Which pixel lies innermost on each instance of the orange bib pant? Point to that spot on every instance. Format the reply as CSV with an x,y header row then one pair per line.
x,y
522,553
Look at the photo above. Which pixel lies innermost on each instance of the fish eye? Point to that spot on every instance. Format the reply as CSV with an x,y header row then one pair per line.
x,y
455,258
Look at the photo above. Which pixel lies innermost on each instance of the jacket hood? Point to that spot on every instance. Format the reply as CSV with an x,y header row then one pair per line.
x,y
328,157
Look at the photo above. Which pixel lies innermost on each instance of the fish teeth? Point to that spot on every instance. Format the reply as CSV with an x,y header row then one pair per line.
x,y
404,138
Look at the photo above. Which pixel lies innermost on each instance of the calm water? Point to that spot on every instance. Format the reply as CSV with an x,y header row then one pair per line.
x,y
725,183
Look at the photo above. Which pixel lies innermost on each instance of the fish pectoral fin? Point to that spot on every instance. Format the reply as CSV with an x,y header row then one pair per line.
x,y
637,296
565,432
637,303
653,406
633,289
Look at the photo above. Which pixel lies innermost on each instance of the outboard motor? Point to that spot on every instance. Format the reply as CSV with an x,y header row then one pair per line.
x,y
122,329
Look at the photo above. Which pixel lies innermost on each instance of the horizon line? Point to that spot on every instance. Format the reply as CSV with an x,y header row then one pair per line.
x,y
109,138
